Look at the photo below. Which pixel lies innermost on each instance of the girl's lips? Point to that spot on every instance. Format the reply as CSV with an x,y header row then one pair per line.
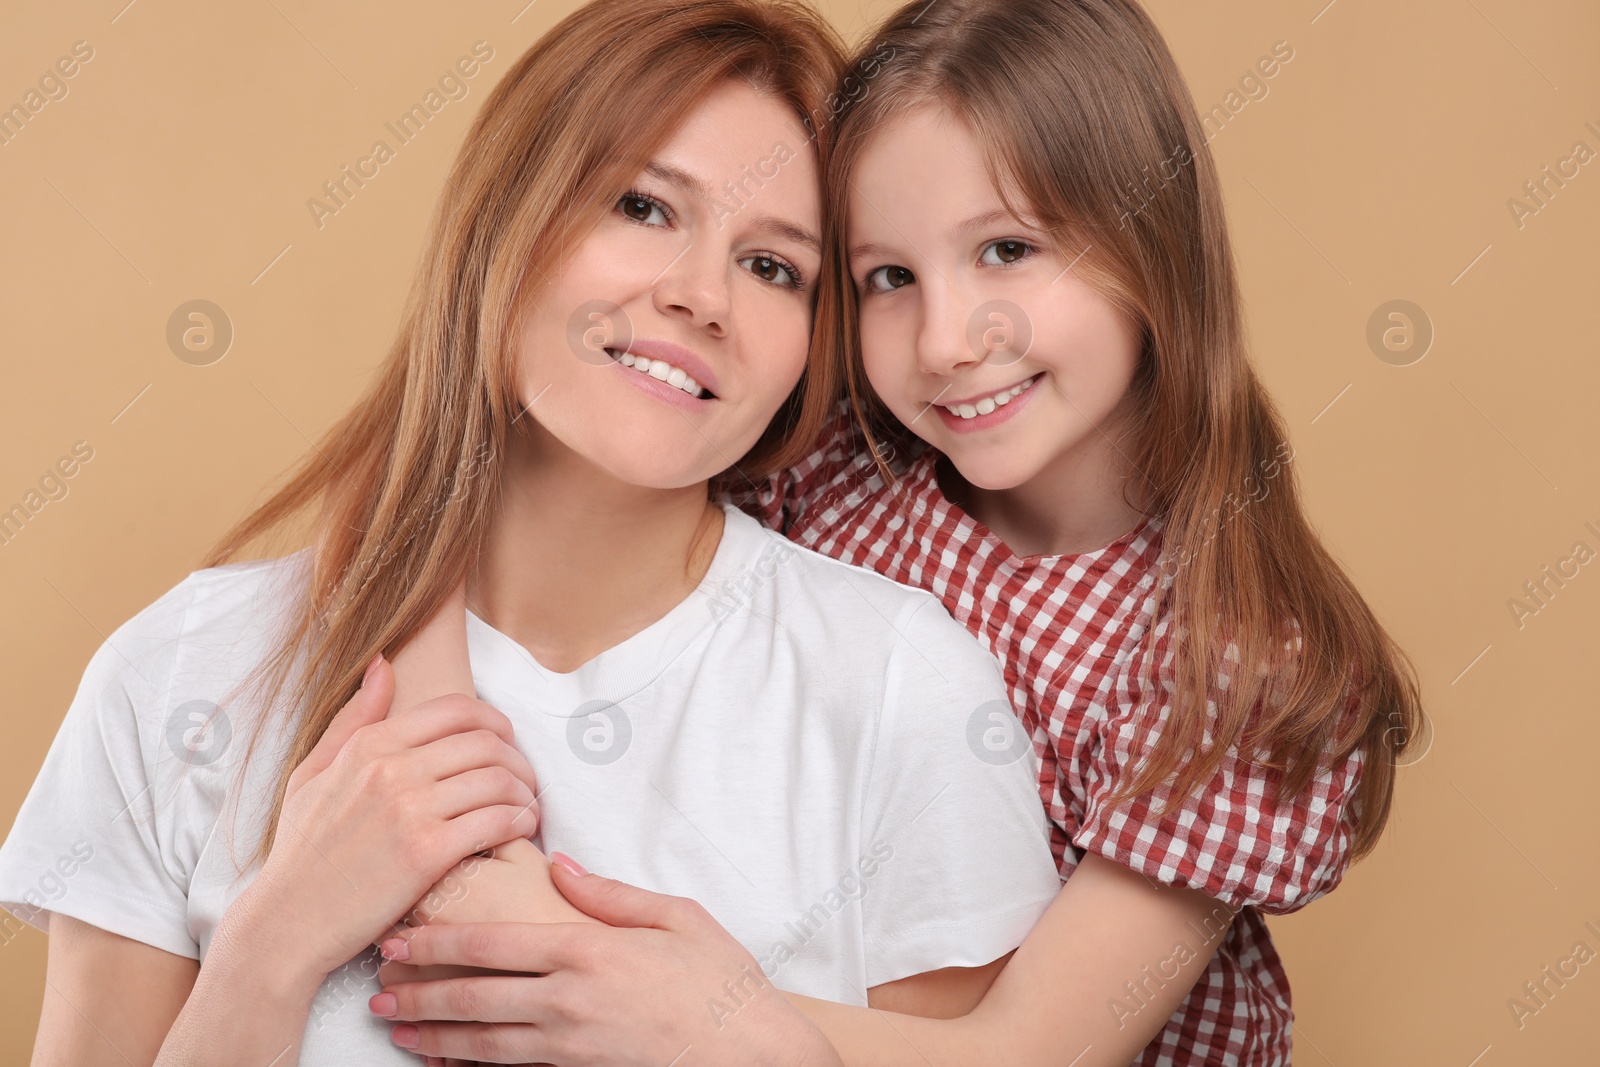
x,y
999,415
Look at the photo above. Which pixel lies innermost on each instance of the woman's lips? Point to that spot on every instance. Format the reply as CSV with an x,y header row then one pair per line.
x,y
676,356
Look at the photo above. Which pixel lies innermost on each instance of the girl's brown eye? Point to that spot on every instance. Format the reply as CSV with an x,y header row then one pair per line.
x,y
1010,251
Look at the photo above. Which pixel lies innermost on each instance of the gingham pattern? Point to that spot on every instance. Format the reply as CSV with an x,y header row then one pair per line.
x,y
1073,636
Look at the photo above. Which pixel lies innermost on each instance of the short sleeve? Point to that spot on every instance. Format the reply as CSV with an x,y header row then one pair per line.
x,y
779,499
92,839
1233,839
953,821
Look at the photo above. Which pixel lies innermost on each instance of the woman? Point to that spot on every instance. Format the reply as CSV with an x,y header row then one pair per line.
x,y
615,306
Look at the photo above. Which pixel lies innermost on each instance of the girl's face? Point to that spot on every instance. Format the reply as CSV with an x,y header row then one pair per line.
x,y
666,343
975,332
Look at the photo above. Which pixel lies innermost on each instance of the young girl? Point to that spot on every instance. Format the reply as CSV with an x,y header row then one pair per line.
x,y
592,340
1055,430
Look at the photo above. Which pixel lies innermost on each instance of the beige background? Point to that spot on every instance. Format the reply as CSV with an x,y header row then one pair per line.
x,y
1378,167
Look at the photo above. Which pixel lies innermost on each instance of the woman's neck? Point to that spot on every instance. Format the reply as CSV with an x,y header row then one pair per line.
x,y
576,561
1074,504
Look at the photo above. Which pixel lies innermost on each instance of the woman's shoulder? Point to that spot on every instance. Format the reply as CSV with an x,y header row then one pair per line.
x,y
215,623
249,594
851,611
814,581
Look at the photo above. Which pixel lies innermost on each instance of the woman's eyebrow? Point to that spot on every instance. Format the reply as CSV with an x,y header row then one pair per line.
x,y
696,186
700,189
785,228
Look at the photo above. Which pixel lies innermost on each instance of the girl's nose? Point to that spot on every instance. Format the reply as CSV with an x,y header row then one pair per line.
x,y
944,346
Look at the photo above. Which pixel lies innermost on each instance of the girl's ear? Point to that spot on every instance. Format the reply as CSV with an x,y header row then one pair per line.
x,y
434,663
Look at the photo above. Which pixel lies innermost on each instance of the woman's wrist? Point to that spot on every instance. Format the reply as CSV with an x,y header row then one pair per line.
x,y
256,945
248,1006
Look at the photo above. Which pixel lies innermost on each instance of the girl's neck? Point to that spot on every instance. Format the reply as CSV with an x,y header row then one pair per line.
x,y
576,561
1074,504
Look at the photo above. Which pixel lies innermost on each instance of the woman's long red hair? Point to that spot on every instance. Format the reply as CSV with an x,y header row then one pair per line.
x,y
402,489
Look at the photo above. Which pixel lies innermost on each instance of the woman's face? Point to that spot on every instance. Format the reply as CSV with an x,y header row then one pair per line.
x,y
975,332
664,346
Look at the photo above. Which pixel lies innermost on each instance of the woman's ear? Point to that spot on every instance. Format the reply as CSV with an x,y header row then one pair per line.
x,y
434,662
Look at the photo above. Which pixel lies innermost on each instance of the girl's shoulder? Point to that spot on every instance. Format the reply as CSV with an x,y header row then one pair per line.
x,y
839,461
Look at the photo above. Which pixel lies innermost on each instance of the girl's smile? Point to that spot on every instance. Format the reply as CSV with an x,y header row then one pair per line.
x,y
988,410
929,260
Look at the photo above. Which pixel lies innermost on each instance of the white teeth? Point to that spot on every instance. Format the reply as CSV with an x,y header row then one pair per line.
x,y
660,370
989,403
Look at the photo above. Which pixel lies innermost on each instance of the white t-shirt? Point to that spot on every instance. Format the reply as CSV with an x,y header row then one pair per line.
x,y
821,756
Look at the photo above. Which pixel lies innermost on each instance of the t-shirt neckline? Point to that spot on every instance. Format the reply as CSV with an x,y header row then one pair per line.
x,y
637,659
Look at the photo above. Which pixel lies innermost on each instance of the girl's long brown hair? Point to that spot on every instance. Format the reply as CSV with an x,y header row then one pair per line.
x,y
404,486
1085,117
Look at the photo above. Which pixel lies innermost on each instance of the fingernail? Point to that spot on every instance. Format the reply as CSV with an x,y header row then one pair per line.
x,y
384,1004
406,1036
395,948
367,677
568,862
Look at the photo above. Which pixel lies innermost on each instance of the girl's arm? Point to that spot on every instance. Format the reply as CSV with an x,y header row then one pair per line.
x,y
1096,979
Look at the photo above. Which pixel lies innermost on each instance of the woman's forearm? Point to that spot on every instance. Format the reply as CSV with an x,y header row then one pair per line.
x,y
250,1001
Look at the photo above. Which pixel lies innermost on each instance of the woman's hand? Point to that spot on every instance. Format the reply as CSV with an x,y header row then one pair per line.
x,y
376,814
687,986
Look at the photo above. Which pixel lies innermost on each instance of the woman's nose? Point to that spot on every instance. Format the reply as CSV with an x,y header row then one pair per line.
x,y
695,285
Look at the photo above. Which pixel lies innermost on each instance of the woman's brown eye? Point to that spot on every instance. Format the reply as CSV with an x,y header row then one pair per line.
x,y
770,270
636,208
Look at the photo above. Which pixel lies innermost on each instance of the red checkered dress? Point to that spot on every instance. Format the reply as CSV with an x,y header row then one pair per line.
x,y
1072,633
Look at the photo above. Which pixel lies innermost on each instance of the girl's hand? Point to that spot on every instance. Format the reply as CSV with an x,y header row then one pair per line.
x,y
685,984
510,884
376,814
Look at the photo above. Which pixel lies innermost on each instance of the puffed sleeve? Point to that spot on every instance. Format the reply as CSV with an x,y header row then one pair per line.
x,y
1232,839
777,500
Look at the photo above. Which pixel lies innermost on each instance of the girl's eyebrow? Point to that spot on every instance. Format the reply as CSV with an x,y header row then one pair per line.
x,y
984,221
700,189
962,229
